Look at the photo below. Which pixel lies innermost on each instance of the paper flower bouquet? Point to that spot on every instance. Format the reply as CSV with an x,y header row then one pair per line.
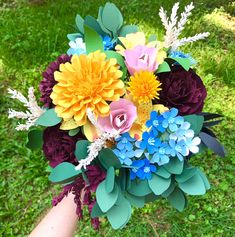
x,y
121,117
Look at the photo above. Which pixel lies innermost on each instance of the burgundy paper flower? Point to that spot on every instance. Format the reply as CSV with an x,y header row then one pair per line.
x,y
58,146
183,90
48,81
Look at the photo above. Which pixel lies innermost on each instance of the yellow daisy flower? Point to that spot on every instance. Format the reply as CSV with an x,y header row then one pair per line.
x,y
144,87
89,81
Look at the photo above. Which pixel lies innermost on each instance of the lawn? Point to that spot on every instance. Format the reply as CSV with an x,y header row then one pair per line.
x,y
33,33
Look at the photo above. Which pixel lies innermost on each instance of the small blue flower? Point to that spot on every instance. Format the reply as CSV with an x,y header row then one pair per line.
x,y
171,120
177,148
160,156
125,142
149,142
124,156
155,123
77,47
142,169
109,44
183,132
179,54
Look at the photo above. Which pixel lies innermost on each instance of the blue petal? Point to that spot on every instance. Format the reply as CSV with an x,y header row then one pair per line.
x,y
153,115
128,161
165,123
149,123
173,127
179,120
174,112
153,168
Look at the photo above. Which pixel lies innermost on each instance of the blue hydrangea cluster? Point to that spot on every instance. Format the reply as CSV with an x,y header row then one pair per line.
x,y
109,43
168,135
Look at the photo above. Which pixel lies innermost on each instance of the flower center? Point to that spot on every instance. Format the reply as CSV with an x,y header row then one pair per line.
x,y
120,119
146,169
162,151
151,141
178,148
155,123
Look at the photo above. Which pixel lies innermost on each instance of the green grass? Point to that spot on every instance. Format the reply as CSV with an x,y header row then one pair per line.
x,y
32,35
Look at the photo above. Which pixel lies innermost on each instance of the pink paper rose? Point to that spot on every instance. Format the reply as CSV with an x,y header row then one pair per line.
x,y
141,58
122,115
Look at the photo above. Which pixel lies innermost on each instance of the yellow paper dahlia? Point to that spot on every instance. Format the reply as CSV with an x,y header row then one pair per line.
x,y
144,87
89,81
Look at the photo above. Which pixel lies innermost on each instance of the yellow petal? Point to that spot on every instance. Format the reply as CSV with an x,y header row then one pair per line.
x,y
68,125
90,131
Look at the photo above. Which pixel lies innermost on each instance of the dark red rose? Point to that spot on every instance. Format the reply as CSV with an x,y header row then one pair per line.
x,y
48,81
183,90
58,146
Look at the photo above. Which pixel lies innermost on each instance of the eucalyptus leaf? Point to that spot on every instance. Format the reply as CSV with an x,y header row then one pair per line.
x,y
80,23
110,179
135,201
74,132
186,174
93,23
175,166
112,18
128,29
193,186
104,199
159,184
177,199
196,122
120,213
171,188
64,173
81,150
107,158
139,188
96,211
163,172
48,118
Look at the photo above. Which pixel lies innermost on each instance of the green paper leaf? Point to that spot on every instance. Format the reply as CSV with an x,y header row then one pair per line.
x,y
151,197
112,18
107,158
128,29
110,179
74,36
169,190
196,122
135,201
139,188
74,132
117,56
81,150
186,174
120,61
123,178
162,172
48,118
184,62
35,139
164,67
92,40
204,178
101,23
104,199
177,199
93,23
96,211
159,184
64,173
175,166
193,186
120,213
80,23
